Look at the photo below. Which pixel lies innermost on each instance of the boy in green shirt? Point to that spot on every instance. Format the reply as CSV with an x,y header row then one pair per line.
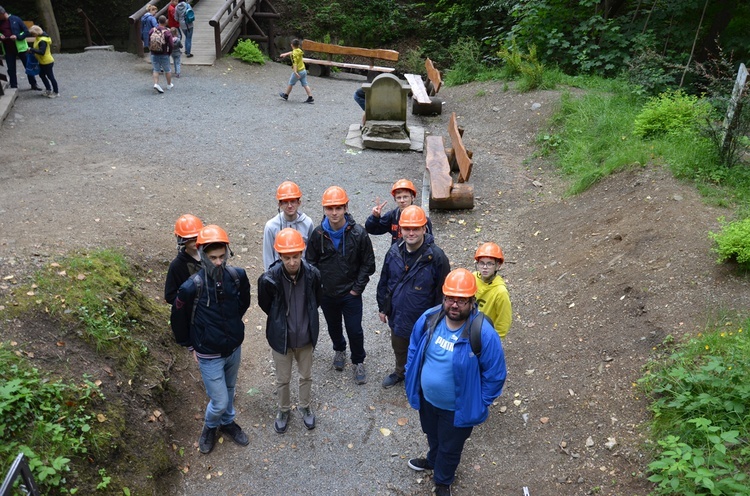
x,y
299,74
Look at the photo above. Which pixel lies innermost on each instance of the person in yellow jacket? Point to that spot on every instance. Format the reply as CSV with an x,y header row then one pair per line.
x,y
43,52
492,294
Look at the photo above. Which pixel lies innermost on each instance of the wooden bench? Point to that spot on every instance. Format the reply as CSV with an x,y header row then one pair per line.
x,y
445,194
425,100
373,54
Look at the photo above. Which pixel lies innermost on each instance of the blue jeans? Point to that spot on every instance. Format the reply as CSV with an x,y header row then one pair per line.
x,y
10,62
47,75
220,378
359,97
160,62
188,37
446,441
349,309
176,59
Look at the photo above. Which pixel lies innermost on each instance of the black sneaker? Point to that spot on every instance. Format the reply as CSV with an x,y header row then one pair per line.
x,y
442,490
36,88
419,464
284,95
282,420
308,417
234,431
188,55
391,381
309,100
208,439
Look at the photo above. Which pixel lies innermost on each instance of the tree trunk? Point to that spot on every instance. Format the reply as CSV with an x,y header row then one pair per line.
x,y
49,23
692,50
721,19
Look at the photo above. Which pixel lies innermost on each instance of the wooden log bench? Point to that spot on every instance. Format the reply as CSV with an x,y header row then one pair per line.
x,y
445,194
425,100
325,64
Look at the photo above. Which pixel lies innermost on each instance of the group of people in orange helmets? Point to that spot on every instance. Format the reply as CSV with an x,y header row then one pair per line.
x,y
446,325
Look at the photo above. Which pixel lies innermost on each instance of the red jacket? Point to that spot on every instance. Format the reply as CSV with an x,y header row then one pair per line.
x,y
172,21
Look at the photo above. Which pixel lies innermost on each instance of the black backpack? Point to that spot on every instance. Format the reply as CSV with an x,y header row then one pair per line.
x,y
474,330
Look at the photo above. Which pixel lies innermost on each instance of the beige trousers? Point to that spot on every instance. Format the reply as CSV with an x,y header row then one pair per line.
x,y
283,363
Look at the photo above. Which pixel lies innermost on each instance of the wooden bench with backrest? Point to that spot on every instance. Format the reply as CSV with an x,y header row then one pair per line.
x,y
372,54
425,100
445,194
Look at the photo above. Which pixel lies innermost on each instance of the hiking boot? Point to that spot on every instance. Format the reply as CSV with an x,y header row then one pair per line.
x,y
46,92
234,431
52,94
36,88
360,377
310,100
282,419
391,381
208,439
442,490
284,95
308,417
170,86
339,360
419,464
158,88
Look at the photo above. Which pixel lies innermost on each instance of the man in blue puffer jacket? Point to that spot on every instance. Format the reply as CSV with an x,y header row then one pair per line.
x,y
410,282
207,318
450,385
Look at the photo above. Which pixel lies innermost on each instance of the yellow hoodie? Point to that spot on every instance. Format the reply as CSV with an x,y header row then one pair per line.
x,y
494,301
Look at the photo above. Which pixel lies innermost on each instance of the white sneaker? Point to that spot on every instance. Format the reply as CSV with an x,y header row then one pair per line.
x,y
170,86
158,88
52,95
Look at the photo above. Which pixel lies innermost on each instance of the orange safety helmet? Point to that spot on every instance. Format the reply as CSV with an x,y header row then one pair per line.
x,y
212,234
187,226
460,283
334,196
403,184
288,191
289,241
412,216
490,250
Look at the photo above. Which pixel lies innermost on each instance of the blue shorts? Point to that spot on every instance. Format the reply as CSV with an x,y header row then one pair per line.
x,y
160,63
302,78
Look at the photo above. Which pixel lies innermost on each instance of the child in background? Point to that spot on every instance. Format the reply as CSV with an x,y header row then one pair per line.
x,y
299,74
42,50
188,260
176,51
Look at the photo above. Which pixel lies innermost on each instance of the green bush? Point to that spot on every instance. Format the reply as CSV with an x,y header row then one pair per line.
x,y
733,242
672,112
48,420
700,427
248,51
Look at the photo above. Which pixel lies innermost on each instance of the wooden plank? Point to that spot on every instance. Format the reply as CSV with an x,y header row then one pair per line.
x,y
418,88
348,65
434,76
462,197
440,171
371,53
462,156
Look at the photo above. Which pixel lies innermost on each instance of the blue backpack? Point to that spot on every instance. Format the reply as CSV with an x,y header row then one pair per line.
x,y
189,14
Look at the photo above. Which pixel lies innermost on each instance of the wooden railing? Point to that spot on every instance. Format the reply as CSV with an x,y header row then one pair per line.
x,y
236,15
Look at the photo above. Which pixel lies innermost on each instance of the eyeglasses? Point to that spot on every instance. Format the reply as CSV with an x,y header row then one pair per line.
x,y
485,265
461,302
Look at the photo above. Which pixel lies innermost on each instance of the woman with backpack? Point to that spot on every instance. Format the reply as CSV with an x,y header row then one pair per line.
x,y
148,22
186,18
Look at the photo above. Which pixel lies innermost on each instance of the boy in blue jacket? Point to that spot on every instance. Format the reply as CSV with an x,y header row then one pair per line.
x,y
450,381
207,318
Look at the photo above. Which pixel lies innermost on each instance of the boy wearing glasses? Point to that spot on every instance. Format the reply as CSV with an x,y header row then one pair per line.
x,y
207,318
492,294
451,386
289,197
413,272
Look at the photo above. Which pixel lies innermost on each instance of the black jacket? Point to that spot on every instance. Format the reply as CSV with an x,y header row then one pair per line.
x,y
217,326
407,294
346,269
272,301
182,267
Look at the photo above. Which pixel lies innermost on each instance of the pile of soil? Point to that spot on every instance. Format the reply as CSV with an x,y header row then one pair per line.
x,y
596,280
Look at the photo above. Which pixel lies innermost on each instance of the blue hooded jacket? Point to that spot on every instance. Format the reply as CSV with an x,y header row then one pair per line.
x,y
407,294
478,381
